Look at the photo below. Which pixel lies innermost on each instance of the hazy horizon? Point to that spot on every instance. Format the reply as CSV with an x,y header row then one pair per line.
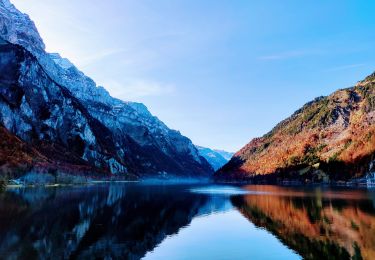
x,y
220,72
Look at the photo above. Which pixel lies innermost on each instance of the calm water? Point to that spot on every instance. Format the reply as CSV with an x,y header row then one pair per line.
x,y
135,221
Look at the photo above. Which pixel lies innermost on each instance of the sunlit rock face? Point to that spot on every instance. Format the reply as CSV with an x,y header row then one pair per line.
x,y
17,28
46,101
329,139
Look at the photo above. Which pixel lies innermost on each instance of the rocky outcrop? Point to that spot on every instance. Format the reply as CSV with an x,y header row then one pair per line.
x,y
16,155
330,138
52,106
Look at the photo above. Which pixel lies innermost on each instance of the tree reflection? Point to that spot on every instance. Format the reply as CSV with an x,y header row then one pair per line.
x,y
318,224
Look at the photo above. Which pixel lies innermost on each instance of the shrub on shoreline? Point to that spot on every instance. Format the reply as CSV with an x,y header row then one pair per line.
x,y
3,183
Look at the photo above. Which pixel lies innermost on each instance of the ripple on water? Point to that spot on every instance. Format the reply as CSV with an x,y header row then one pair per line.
x,y
223,190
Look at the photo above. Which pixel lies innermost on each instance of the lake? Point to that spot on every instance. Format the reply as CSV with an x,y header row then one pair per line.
x,y
187,221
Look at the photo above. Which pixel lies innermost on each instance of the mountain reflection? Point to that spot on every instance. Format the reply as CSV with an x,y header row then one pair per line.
x,y
117,221
317,223
125,221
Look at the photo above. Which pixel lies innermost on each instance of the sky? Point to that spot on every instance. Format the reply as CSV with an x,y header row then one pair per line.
x,y
222,72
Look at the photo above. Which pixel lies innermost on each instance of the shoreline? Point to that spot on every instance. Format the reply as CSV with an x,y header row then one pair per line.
x,y
176,182
58,185
22,183
301,184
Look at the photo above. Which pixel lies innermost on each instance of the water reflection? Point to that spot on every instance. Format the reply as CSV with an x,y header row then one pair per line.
x,y
316,223
118,221
128,220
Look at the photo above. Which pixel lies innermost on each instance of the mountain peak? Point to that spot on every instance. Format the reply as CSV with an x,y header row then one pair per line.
x,y
18,28
56,106
369,79
216,158
329,138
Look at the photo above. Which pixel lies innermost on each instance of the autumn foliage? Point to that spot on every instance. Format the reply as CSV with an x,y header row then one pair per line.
x,y
330,137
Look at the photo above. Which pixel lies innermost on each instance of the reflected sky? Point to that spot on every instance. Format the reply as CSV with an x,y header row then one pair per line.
x,y
222,236
219,190
187,221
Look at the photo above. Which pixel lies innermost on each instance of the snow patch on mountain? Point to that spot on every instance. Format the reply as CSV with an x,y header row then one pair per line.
x,y
216,158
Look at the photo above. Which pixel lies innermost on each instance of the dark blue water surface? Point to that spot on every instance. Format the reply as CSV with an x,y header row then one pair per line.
x,y
186,221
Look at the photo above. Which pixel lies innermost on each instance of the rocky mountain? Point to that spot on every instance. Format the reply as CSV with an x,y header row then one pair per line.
x,y
68,121
227,155
330,138
215,158
16,155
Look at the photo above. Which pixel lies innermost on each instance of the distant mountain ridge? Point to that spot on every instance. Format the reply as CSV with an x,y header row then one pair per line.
x,y
52,106
216,158
329,139
227,155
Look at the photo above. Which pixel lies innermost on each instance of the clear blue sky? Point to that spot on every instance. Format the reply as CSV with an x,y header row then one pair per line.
x,y
221,72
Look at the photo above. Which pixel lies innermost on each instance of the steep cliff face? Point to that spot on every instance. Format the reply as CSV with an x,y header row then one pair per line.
x,y
15,155
48,103
330,138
